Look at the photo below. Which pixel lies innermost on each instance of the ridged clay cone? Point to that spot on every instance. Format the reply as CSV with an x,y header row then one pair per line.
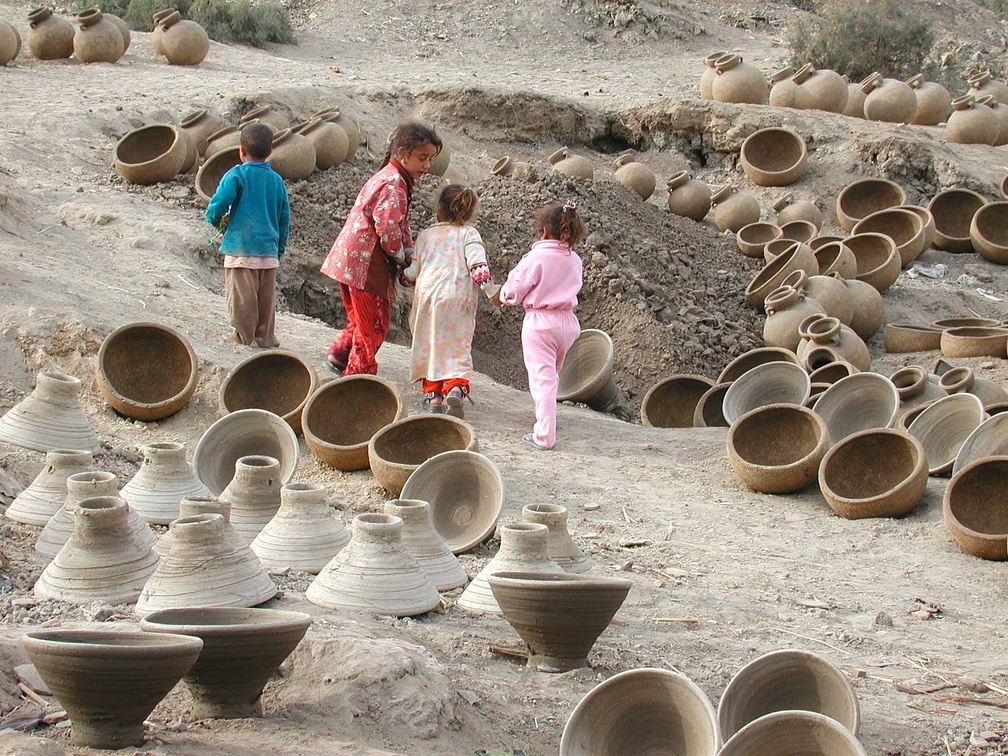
x,y
863,401
375,573
424,544
943,427
103,560
398,449
774,157
976,510
953,211
242,648
163,479
587,372
249,432
748,360
777,448
304,534
770,383
672,401
688,197
50,417
560,547
206,568
191,506
48,491
990,439
274,380
523,549
254,494
793,733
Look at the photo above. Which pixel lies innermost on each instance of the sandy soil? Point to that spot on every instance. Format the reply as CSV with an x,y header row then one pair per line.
x,y
82,253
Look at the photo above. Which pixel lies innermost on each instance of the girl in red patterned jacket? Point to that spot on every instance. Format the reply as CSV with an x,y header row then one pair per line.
x,y
374,242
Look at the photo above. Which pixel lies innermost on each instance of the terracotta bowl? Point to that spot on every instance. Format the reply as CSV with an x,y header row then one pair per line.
x,y
399,448
943,426
242,648
752,239
793,733
109,681
777,449
150,154
642,711
904,420
559,616
905,227
465,493
146,371
927,223
878,259
799,231
832,372
836,257
862,198
342,417
856,403
709,412
821,240
274,380
976,508
990,439
213,170
953,211
816,390
748,360
974,342
771,383
587,372
946,323
248,432
911,337
797,256
774,157
672,402
773,249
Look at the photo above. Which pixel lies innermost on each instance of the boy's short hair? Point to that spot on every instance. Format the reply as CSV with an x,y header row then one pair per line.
x,y
257,140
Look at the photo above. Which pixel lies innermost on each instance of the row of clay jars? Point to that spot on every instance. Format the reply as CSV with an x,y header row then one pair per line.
x,y
888,100
737,81
821,89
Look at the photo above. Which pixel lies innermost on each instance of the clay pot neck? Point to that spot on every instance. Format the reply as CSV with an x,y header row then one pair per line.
x,y
409,510
198,530
191,506
796,279
550,515
304,497
678,179
711,59
557,156
58,388
61,459
193,118
160,15
915,81
783,202
39,15
164,454
957,380
376,528
802,74
224,131
86,485
502,167
987,100
623,159
280,137
721,195
309,126
871,82
727,62
824,330
910,382
89,17
781,299
255,469
963,102
100,517
170,20
980,79
784,73
523,538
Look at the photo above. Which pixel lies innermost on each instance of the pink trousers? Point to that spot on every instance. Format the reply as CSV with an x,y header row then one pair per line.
x,y
546,337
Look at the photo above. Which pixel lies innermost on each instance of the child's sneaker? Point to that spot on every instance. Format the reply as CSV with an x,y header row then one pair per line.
x,y
454,402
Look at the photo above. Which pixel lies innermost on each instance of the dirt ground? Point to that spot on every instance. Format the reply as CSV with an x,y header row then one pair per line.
x,y
917,624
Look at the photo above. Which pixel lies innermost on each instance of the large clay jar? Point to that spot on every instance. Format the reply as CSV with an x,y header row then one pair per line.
x,y
985,84
830,292
737,81
688,197
709,74
50,417
275,380
971,123
213,170
825,331
1001,111
933,101
374,573
163,479
560,547
10,43
345,122
634,176
989,232
953,211
774,157
869,310
820,90
855,98
304,534
974,508
329,140
943,426
103,560
200,124
587,372
786,308
796,257
51,37
254,494
861,198
224,137
425,544
789,209
914,388
523,549
733,210
266,114
859,402
158,32
151,154
889,100
963,379
793,733
777,448
183,42
97,40
293,155
782,88
671,403
46,494
574,166
905,227
122,26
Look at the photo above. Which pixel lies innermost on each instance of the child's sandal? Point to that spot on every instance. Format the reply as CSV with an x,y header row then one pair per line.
x,y
434,402
454,402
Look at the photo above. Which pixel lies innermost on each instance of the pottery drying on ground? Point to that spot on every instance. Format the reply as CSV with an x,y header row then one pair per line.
x,y
748,360
275,380
162,480
933,101
990,439
304,534
869,310
964,379
820,90
183,42
587,371
905,227
293,155
733,210
859,402
770,383
774,157
710,71
942,428
345,122
831,293
151,154
671,402
738,81
889,100
989,232
249,432
985,84
911,337
709,412
508,166
927,220
974,341
878,259
823,332
109,681
786,307
1000,111
832,372
642,711
329,141
976,510
190,506
688,197
777,448
574,166
634,175
425,544
10,42
971,122
782,88
914,388
789,209
375,573
401,447
97,40
836,257
862,198
560,547
48,491
50,417
267,114
51,37
201,125
752,239
242,648
793,733
214,167
953,211
796,257
799,231
253,493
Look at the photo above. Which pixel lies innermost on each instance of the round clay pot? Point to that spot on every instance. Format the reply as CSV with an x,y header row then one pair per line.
x,y
989,232
201,125
213,170
734,210
789,209
158,32
642,711
796,257
862,198
253,493
832,295
635,176
943,427
782,88
933,101
1000,111
164,478
774,157
737,81
709,73
914,388
341,417
990,439
709,412
975,508
151,154
275,380
820,90
971,123
836,257
672,401
559,616
329,141
820,331
855,98
50,417
832,372
777,448
748,360
953,211
889,100
878,259
183,42
224,137
51,37
146,371
927,221
786,307
859,402
821,240
974,342
439,164
109,681
911,337
269,115
752,239
426,545
868,308
793,733
293,155
799,231
36,504
985,84
10,43
904,227
517,169
399,448
560,547
242,648
465,492
963,380
770,383
304,534
574,166
688,197
97,40
240,434
587,371
345,122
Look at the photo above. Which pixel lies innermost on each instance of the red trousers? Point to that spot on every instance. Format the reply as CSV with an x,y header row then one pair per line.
x,y
443,387
366,329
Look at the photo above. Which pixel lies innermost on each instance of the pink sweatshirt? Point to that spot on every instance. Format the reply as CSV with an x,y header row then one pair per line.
x,y
548,277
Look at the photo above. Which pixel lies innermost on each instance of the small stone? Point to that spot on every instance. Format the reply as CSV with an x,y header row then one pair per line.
x,y
179,726
883,620
591,506
627,566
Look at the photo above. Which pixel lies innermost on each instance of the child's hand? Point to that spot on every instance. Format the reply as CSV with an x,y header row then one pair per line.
x,y
480,274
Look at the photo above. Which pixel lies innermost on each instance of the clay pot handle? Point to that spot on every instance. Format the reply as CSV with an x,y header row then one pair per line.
x,y
678,179
557,156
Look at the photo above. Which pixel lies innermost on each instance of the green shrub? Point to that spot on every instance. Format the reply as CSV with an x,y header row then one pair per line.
x,y
139,13
998,6
237,21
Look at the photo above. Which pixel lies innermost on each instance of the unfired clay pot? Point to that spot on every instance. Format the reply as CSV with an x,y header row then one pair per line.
x,y
782,88
183,42
774,157
911,337
50,417
863,401
820,90
943,427
249,432
824,331
507,166
989,232
399,448
748,360
304,534
786,307
971,123
425,544
266,114
688,197
709,412
162,480
345,122
868,308
158,32
10,43
777,448
634,175
293,155
990,439
974,342
737,81
889,100
671,402
904,227
254,494
963,379
769,383
587,371
439,163
97,40
213,169
985,84
789,209
151,154
862,198
793,733
933,101
752,239
710,71
574,166
830,292
733,210
836,257
855,98
201,124
47,492
224,137
878,259
796,257
329,141
275,380
953,211
51,37
560,547
975,508
914,388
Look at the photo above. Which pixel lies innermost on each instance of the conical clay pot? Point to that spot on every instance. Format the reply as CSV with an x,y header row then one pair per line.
x,y
304,534
988,232
50,417
97,40
191,506
51,37
47,493
254,494
163,479
423,543
688,197
375,573
560,547
183,42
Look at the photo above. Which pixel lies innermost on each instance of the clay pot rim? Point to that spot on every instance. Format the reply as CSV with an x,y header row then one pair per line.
x,y
678,377
946,323
870,378
786,354
799,224
898,209
784,73
770,132
403,422
868,182
128,645
101,503
550,509
993,421
93,476
822,443
994,539
920,465
752,245
824,240
810,720
681,178
790,369
566,582
340,384
915,373
940,405
698,413
963,102
218,621
720,195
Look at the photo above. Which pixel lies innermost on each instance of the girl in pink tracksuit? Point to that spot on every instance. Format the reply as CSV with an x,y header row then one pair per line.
x,y
547,281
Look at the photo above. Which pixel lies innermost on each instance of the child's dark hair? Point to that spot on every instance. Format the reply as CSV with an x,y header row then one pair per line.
x,y
560,221
456,204
409,135
257,140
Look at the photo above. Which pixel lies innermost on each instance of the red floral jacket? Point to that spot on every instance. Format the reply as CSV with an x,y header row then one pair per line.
x,y
379,219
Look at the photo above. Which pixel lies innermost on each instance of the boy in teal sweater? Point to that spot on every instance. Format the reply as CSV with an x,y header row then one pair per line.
x,y
251,204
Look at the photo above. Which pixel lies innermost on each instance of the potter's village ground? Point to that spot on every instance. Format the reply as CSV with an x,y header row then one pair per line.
x,y
720,574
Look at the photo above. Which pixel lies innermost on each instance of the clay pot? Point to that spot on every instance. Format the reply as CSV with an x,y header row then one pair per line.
x,y
836,257
777,448
304,534
963,380
832,372
990,439
989,232
774,157
786,307
634,176
911,337
688,197
953,211
240,434
103,560
737,81
821,240
97,40
276,380
523,549
560,547
425,545
224,137
158,32
789,209
47,492
200,125
399,448
904,227
465,492
672,401
641,711
868,308
832,295
183,42
933,101
824,331
796,257
974,508
770,383
943,426
733,210
163,479
293,155
709,74
709,411
914,388
861,198
507,166
859,402
266,114
213,170
109,681
754,357
985,84
878,259
1001,112
558,616
855,99
254,494
820,90
375,573
10,43
974,342
782,88
793,733
439,164
51,37
799,231
752,239
927,221
191,506
889,100
971,123
574,166
329,141
151,154
1004,187
50,417
345,122
587,371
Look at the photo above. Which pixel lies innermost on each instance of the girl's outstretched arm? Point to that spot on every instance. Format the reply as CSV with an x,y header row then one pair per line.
x,y
520,281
